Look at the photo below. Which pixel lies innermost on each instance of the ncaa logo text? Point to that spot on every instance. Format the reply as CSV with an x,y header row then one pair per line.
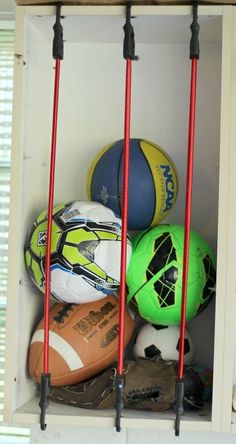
x,y
169,185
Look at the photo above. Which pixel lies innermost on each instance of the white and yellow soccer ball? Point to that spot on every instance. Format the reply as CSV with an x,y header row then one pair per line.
x,y
85,252
155,341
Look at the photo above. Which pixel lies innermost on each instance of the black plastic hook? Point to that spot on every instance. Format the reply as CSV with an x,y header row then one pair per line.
x,y
179,390
58,46
43,403
129,39
195,28
120,383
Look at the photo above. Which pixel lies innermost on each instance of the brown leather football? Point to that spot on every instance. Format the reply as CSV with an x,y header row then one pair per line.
x,y
83,340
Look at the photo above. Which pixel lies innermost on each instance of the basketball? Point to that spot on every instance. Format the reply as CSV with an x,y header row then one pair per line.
x,y
153,182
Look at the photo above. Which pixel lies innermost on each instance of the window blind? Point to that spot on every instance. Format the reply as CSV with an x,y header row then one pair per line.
x,y
8,434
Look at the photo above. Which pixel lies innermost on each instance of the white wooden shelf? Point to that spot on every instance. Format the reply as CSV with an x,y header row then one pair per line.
x,y
90,117
198,420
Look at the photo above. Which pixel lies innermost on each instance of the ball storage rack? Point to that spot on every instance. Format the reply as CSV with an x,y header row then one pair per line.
x,y
129,55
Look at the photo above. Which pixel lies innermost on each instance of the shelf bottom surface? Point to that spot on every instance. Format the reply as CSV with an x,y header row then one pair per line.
x,y
67,415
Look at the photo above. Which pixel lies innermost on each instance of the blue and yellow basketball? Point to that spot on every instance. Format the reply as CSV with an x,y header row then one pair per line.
x,y
153,182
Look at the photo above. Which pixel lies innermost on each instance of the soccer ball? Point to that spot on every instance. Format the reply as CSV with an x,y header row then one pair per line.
x,y
154,275
155,340
85,252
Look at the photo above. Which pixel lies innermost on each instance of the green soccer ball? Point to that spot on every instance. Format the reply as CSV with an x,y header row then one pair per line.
x,y
154,276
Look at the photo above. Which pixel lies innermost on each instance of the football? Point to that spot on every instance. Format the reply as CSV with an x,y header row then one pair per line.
x,y
83,340
154,276
85,252
155,340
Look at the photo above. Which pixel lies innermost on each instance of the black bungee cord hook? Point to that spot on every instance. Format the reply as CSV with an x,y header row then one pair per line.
x,y
129,56
57,52
194,56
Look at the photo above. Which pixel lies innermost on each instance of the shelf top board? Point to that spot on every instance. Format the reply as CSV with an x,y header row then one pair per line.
x,y
123,2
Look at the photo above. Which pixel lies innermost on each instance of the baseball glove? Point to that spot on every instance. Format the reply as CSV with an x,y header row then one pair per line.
x,y
149,385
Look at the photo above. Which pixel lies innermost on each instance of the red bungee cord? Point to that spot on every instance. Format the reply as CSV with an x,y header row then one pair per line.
x,y
124,213
189,182
58,56
50,209
194,56
129,50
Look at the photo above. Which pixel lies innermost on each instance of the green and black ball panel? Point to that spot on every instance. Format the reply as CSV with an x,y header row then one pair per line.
x,y
73,244
154,275
35,245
